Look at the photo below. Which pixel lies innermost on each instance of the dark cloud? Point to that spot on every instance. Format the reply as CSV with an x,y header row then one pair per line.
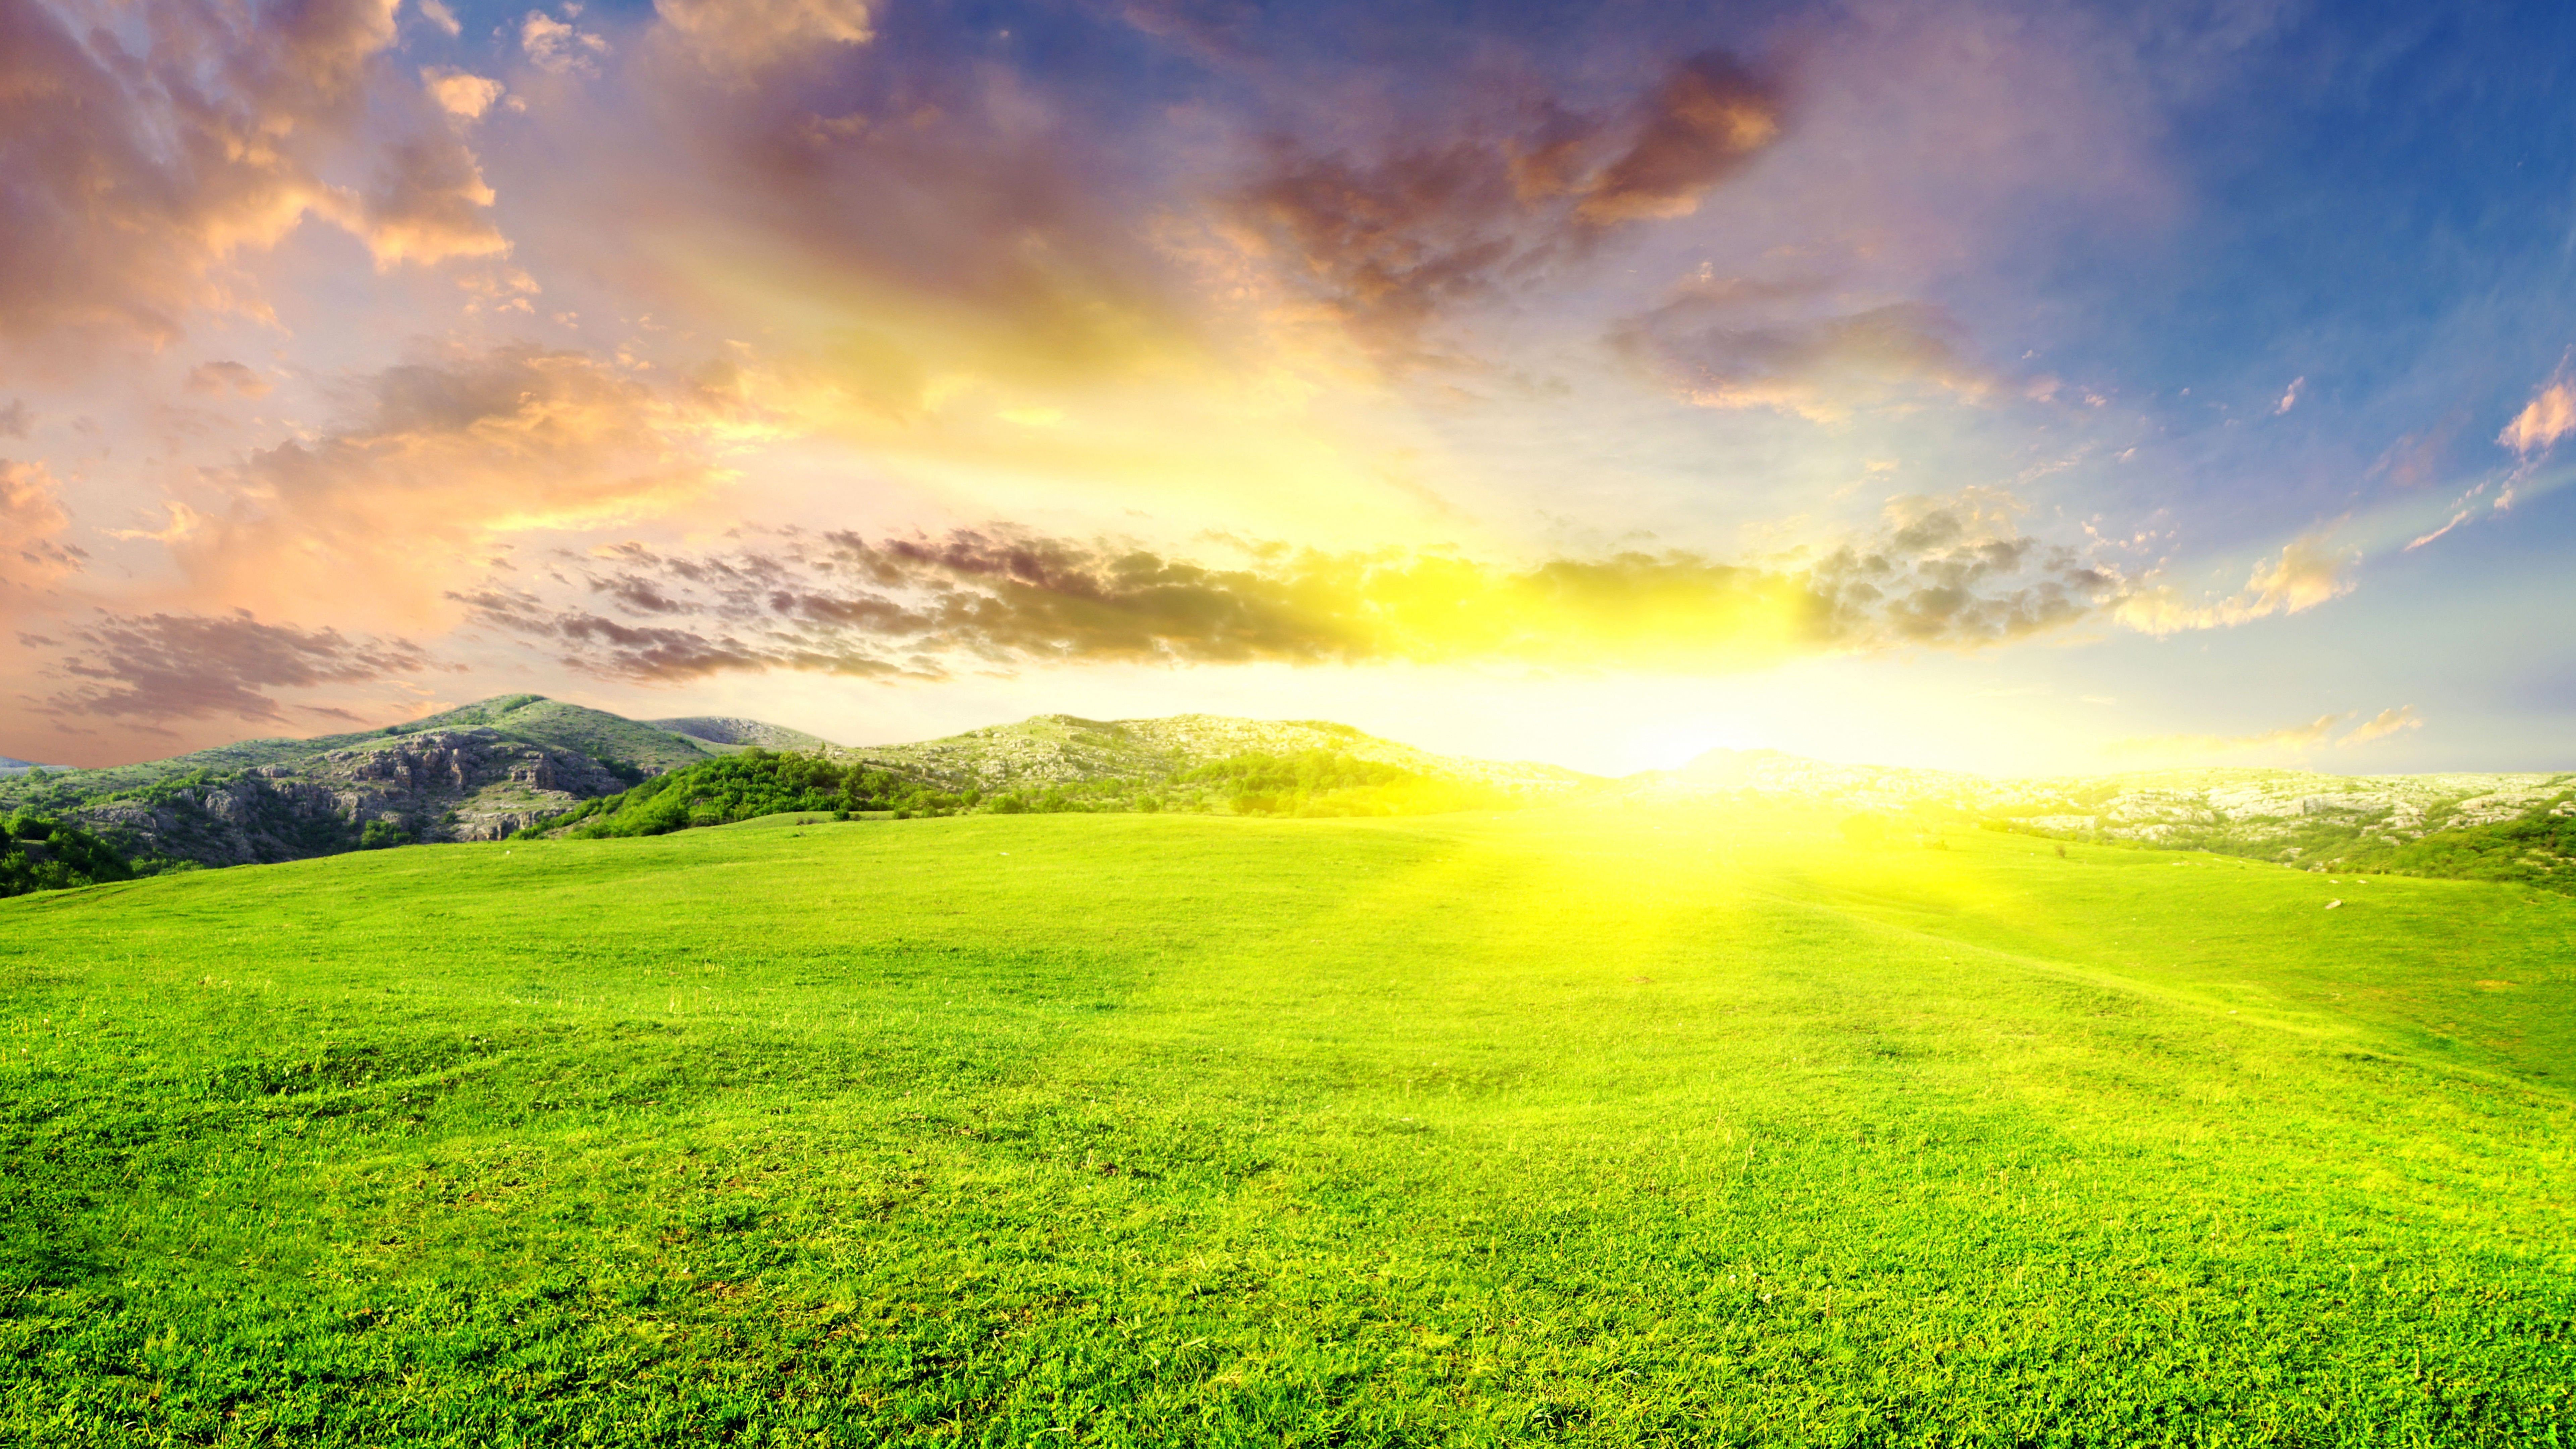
x,y
1939,573
1392,243
1955,573
158,667
1742,343
1708,118
14,419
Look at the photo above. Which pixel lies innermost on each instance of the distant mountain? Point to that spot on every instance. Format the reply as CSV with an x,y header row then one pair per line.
x,y
1062,749
2398,822
738,734
474,773
10,767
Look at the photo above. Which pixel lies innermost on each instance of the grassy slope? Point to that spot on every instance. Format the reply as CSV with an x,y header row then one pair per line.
x,y
1611,1128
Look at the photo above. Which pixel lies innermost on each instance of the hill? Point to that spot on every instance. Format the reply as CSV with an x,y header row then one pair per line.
x,y
1061,749
2419,824
474,773
733,733
1642,1125
503,766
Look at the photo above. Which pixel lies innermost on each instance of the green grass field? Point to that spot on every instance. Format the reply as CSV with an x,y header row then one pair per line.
x,y
1584,1127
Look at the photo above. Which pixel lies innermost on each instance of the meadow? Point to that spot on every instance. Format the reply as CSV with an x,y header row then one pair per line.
x,y
1571,1126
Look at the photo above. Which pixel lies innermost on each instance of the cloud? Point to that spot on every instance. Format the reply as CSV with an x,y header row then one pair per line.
x,y
437,13
1948,574
14,419
555,47
132,177
2383,724
463,96
214,379
2456,520
31,518
429,204
2292,738
2548,417
1722,344
1952,572
185,666
2305,574
2290,398
1708,119
444,454
739,37
1390,245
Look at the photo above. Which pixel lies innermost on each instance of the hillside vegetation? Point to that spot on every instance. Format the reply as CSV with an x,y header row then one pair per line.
x,y
1677,1126
757,783
37,854
1061,750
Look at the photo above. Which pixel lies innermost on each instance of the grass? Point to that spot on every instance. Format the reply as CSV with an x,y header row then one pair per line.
x,y
1582,1127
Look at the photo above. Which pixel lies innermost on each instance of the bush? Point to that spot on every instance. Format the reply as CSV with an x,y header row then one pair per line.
x,y
39,854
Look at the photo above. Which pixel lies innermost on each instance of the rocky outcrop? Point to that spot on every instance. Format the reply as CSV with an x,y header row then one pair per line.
x,y
461,784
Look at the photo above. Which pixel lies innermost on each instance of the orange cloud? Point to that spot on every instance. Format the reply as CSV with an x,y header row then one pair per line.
x,y
2304,575
2292,738
451,453
738,37
2548,417
133,176
214,379
31,526
2383,724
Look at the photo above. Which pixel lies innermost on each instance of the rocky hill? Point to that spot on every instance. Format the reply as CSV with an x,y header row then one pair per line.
x,y
1061,749
475,773
488,770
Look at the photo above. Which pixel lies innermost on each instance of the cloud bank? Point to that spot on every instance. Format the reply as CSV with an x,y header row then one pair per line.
x,y
149,669
1947,574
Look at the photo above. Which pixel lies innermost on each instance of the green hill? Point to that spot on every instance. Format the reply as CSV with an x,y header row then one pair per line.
x,y
1061,749
474,773
731,733
1651,1125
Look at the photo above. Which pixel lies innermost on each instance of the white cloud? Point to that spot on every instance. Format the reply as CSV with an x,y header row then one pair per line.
x,y
556,48
459,94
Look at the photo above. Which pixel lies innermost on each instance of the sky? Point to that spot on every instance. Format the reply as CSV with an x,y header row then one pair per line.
x,y
2024,388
